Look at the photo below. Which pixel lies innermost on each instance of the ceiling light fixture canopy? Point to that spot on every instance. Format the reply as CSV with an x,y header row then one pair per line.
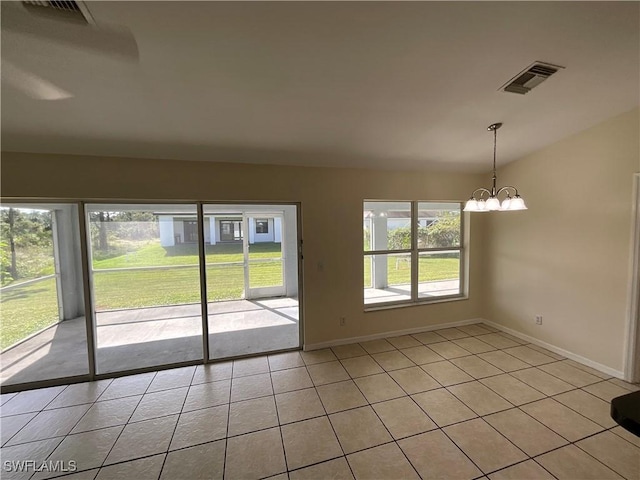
x,y
478,203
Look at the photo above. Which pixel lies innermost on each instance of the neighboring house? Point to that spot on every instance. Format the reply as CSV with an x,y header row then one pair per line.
x,y
177,229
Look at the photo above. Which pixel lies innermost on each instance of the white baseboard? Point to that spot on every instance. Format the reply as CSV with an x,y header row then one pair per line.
x,y
394,333
558,350
515,333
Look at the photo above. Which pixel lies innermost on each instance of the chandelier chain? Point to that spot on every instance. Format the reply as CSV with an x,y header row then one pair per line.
x,y
495,140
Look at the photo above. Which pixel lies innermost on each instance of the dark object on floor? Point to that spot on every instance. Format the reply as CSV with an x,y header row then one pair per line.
x,y
625,410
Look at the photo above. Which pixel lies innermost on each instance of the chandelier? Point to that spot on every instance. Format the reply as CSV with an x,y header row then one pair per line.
x,y
478,203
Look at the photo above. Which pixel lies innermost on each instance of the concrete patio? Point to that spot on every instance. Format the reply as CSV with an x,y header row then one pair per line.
x,y
146,337
396,293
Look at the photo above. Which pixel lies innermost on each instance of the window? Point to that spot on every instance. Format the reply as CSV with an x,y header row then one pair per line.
x,y
412,251
262,226
43,335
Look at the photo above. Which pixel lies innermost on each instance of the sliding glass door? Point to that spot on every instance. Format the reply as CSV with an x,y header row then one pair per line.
x,y
146,285
43,334
145,277
252,279
150,271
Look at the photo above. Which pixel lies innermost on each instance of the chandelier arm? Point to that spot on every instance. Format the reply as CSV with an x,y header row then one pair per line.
x,y
481,189
506,188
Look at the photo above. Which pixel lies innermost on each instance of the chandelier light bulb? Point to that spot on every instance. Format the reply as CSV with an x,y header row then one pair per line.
x,y
517,203
471,206
493,204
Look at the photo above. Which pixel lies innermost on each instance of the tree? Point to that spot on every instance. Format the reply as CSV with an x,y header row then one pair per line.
x,y
103,242
26,243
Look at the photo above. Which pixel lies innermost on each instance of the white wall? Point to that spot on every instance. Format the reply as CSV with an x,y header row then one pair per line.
x,y
256,237
165,225
567,257
212,230
207,230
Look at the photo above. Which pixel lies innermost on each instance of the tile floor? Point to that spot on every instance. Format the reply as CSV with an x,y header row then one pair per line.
x,y
463,403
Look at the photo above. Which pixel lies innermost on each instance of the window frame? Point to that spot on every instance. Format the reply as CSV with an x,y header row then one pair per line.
x,y
415,252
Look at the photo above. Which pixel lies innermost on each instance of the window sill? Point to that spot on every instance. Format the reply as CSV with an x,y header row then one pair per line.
x,y
419,303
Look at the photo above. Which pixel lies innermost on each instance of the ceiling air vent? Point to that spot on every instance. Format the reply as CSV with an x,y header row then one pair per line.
x,y
530,77
64,10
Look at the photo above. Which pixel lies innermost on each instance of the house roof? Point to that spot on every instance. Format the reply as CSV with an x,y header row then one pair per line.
x,y
391,215
398,85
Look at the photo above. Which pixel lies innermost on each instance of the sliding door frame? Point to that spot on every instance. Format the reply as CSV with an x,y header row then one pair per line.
x,y
204,301
262,292
90,324
87,283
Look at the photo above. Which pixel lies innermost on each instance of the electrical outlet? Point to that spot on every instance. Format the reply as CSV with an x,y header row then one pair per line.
x,y
343,321
538,319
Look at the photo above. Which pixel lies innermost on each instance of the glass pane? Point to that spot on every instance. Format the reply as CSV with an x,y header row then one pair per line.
x,y
387,225
250,251
224,281
368,277
438,225
387,278
223,238
439,274
146,285
29,296
265,253
265,272
43,333
28,307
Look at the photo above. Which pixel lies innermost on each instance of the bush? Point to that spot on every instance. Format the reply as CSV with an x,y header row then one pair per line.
x,y
399,238
443,232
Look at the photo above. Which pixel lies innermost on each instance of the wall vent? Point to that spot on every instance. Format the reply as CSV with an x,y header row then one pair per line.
x,y
69,10
530,77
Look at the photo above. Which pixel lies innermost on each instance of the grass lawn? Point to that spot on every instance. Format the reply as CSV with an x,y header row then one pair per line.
x,y
147,288
430,269
153,254
25,310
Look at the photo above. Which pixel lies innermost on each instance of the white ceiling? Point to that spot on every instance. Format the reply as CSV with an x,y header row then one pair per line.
x,y
382,85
